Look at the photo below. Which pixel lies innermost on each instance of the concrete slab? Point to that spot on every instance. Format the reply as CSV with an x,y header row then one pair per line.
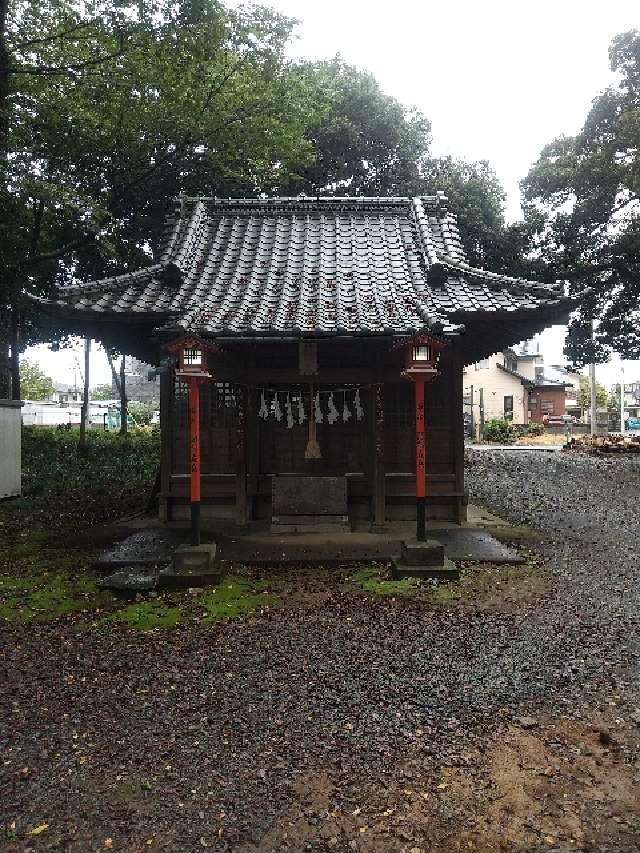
x,y
196,561
460,543
427,553
475,546
152,547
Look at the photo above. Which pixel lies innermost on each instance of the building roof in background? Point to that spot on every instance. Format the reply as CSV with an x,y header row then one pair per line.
x,y
525,380
555,374
311,266
65,388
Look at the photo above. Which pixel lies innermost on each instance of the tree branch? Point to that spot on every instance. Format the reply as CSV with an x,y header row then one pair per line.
x,y
63,70
188,139
85,240
60,35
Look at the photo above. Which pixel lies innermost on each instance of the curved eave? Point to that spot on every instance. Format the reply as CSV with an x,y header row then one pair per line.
x,y
491,331
70,312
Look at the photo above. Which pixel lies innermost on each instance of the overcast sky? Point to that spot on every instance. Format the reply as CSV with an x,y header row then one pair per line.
x,y
497,78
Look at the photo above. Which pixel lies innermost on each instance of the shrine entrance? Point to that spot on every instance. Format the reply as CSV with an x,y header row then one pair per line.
x,y
306,429
312,444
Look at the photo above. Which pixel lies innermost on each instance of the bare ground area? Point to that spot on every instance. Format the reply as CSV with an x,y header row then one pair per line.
x,y
500,714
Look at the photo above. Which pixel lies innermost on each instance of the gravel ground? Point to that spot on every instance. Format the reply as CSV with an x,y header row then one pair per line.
x,y
346,721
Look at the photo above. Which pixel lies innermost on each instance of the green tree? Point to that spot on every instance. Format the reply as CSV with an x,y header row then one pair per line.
x,y
584,395
35,384
102,392
367,143
477,198
142,413
583,203
364,141
112,111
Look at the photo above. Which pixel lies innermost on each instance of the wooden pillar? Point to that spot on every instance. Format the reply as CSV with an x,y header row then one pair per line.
x,y
166,438
252,450
376,420
421,462
194,459
241,514
456,402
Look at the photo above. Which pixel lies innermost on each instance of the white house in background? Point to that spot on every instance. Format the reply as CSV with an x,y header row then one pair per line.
x,y
497,388
517,385
65,394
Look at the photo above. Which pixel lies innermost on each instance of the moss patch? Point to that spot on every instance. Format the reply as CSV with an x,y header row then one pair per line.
x,y
42,598
482,586
377,581
235,597
147,616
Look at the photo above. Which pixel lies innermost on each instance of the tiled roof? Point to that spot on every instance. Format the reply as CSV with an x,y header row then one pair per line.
x,y
309,266
525,380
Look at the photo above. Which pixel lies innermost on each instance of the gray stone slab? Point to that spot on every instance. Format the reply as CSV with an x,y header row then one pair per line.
x,y
293,495
475,546
145,548
196,560
129,581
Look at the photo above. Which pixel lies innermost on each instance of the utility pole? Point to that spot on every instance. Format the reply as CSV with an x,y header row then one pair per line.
x,y
622,398
592,385
123,400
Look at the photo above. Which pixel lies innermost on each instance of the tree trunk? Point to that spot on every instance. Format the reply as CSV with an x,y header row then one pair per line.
x,y
10,294
123,400
114,375
84,417
5,363
15,351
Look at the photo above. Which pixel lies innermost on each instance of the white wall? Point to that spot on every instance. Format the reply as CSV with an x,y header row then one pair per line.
x,y
10,450
527,365
496,385
43,413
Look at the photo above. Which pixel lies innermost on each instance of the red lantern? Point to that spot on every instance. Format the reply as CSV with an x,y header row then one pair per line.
x,y
192,369
421,355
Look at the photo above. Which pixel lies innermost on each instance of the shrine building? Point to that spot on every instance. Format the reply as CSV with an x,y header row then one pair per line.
x,y
318,321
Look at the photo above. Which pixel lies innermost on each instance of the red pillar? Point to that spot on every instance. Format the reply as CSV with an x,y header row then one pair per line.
x,y
421,454
194,459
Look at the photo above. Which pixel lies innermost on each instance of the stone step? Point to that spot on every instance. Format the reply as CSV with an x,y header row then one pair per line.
x,y
447,571
427,553
310,524
195,561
